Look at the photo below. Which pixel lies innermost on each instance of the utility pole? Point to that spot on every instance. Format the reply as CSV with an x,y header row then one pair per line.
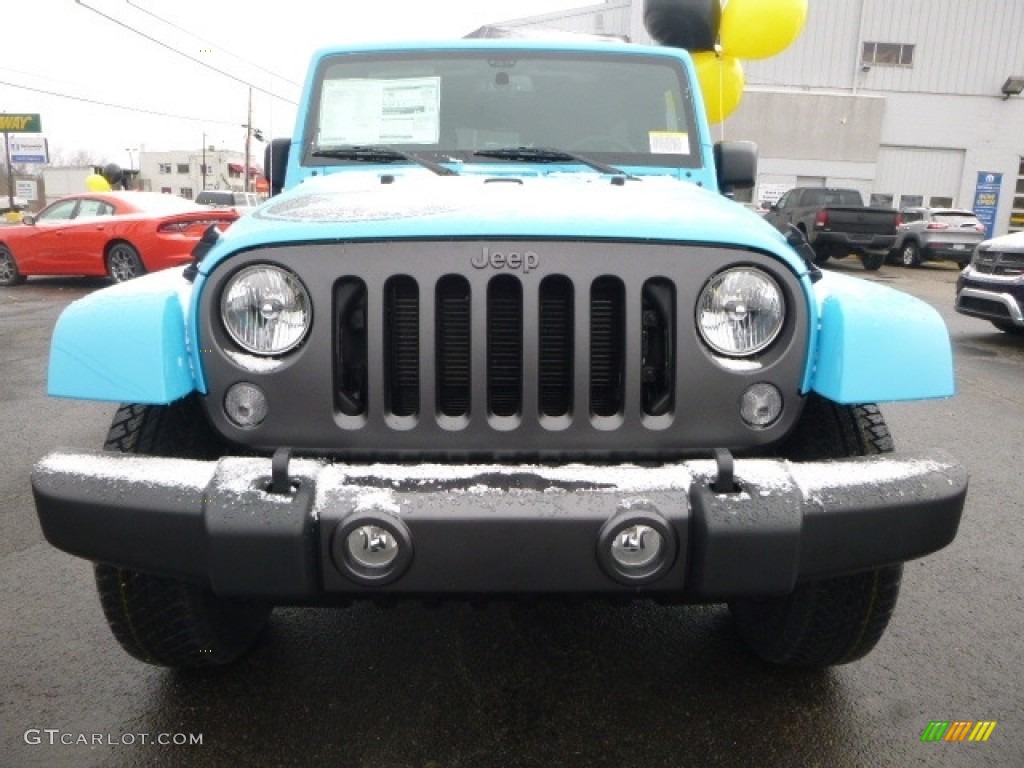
x,y
204,162
10,172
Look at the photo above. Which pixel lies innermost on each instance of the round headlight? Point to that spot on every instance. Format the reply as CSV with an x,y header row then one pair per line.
x,y
740,311
266,310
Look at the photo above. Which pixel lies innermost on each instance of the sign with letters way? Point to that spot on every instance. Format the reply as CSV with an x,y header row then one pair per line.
x,y
20,123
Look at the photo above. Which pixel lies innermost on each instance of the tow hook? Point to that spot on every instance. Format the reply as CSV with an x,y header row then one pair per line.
x,y
280,479
724,478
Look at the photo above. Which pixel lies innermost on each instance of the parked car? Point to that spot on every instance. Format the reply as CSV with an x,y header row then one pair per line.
x,y
242,202
836,223
992,285
934,234
118,234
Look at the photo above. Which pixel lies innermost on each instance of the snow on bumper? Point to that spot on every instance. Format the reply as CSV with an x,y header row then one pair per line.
x,y
472,529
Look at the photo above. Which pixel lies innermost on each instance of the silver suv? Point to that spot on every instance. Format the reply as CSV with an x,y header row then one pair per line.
x,y
243,202
934,234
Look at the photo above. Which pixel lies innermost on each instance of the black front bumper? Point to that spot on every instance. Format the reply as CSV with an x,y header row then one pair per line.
x,y
497,529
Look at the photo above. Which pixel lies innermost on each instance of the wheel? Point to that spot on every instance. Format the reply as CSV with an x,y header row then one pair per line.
x,y
1007,327
910,255
872,261
123,262
164,621
9,274
829,621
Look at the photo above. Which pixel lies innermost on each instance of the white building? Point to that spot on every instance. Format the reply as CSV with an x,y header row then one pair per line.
x,y
185,173
902,99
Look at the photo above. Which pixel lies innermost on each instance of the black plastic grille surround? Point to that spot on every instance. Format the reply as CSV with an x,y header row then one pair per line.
x,y
1002,263
480,350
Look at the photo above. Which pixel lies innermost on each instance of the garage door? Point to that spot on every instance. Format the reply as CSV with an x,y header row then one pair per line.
x,y
920,175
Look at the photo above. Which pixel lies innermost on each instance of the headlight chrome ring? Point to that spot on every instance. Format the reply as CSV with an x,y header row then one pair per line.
x,y
266,310
740,311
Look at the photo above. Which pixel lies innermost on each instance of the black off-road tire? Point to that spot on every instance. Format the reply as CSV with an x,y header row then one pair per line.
x,y
872,262
9,274
829,621
164,621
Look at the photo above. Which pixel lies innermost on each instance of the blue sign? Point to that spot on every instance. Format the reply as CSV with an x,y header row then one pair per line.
x,y
986,199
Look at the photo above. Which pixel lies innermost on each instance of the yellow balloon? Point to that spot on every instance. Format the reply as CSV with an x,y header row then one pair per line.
x,y
721,83
756,29
96,183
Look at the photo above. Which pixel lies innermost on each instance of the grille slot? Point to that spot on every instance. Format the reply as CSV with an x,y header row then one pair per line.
x,y
657,373
402,345
554,353
607,353
504,346
454,348
350,364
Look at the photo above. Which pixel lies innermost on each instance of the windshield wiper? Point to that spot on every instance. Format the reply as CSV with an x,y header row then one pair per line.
x,y
548,155
373,153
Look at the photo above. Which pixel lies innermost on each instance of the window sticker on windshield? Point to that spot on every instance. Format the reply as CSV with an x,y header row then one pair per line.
x,y
405,111
669,142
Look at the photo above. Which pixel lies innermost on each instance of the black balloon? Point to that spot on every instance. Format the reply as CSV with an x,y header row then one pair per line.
x,y
112,173
689,24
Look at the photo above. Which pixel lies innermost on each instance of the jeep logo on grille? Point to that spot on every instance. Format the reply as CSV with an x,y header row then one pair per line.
x,y
526,261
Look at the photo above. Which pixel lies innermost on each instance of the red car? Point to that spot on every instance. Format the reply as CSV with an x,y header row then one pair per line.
x,y
118,234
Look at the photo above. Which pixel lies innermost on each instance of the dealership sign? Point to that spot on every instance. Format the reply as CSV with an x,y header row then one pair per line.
x,y
986,199
28,149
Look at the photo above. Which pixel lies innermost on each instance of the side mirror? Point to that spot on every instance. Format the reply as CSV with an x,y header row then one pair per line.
x,y
736,165
29,219
275,163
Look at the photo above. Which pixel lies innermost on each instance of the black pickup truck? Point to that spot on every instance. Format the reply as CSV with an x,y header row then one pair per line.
x,y
837,223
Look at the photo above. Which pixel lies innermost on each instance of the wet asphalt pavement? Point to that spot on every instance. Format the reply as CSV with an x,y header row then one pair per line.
x,y
514,685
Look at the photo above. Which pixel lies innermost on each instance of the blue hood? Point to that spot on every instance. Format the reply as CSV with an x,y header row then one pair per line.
x,y
358,205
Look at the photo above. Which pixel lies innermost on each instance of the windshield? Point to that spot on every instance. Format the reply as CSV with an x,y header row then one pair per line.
x,y
447,106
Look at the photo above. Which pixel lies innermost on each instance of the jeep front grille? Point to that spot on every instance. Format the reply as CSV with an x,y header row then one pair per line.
x,y
557,356
433,349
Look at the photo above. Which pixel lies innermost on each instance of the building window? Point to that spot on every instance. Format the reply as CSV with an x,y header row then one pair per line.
x,y
186,192
183,168
881,200
940,202
911,201
165,190
1017,208
888,54
165,167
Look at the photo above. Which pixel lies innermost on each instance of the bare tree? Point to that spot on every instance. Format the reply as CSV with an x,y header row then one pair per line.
x,y
77,159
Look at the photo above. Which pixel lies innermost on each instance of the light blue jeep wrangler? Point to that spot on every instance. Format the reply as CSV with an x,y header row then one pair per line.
x,y
501,334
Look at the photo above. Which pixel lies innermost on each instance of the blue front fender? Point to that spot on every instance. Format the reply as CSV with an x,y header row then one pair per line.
x,y
877,344
126,343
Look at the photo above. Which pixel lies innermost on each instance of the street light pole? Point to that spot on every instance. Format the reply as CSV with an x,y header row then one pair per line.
x,y
203,169
131,166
